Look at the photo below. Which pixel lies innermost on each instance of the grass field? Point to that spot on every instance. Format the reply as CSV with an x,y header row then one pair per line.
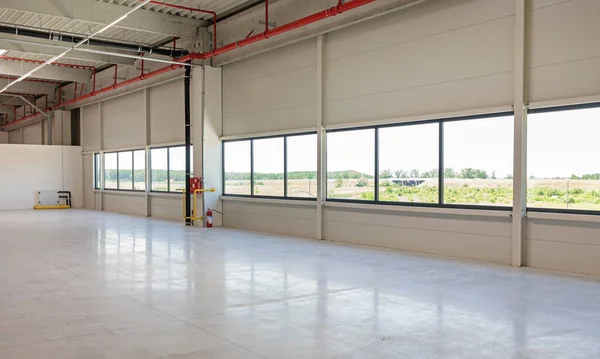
x,y
541,193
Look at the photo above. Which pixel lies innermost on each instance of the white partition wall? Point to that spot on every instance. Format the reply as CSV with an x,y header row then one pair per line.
x,y
30,168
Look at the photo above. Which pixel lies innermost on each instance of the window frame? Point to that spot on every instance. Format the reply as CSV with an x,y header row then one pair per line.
x,y
149,170
97,178
285,167
440,203
581,106
119,170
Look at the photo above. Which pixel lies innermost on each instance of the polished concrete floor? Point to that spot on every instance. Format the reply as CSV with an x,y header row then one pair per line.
x,y
82,284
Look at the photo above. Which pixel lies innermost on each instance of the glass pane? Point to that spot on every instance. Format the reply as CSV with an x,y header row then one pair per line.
x,y
562,164
177,168
110,171
125,170
268,167
139,173
159,175
408,163
478,161
302,166
351,165
237,167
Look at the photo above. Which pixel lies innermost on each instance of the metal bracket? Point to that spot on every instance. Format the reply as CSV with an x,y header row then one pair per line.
x,y
272,24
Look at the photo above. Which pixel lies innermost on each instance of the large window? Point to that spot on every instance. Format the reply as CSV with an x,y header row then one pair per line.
x,y
408,163
478,161
563,159
168,168
351,164
125,170
402,164
283,167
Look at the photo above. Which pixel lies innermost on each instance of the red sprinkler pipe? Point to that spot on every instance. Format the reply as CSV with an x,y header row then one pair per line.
x,y
101,91
191,9
73,66
336,10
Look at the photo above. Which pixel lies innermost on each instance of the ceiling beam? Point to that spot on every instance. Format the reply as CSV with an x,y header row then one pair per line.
x,y
11,100
34,88
101,13
45,48
14,68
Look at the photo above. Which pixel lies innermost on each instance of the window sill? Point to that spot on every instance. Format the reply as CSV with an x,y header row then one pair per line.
x,y
433,210
269,200
572,217
124,193
166,194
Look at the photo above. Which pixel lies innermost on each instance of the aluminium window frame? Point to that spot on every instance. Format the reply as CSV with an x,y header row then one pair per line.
x,y
582,106
119,170
285,167
440,203
97,178
168,148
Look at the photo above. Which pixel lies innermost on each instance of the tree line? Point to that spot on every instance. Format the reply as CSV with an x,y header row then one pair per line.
x,y
140,175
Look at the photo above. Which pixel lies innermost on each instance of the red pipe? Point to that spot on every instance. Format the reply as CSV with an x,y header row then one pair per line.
x,y
101,91
336,10
191,9
73,66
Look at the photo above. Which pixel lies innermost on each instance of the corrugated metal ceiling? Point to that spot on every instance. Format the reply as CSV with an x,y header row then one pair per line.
x,y
218,6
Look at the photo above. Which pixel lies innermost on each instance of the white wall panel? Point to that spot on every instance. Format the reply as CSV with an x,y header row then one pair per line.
x,y
128,203
90,128
167,207
124,121
30,168
88,182
481,238
32,134
564,52
167,117
272,218
15,137
272,91
563,246
3,137
441,56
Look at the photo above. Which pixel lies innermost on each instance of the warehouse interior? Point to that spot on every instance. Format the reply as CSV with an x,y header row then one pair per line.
x,y
299,179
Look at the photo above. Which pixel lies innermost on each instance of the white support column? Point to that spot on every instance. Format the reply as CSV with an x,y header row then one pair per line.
x,y
520,136
101,144
321,147
147,148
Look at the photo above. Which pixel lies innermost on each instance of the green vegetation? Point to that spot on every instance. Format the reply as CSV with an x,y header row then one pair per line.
x,y
157,175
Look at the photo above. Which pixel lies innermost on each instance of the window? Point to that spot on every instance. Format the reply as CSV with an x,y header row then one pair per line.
x,y
168,168
111,171
302,166
478,161
97,171
351,165
409,163
120,170
268,167
562,164
238,167
284,166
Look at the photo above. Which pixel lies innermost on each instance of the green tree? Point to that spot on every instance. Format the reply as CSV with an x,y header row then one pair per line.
x,y
385,174
401,174
449,173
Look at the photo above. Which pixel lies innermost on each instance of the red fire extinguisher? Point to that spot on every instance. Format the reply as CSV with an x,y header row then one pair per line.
x,y
209,219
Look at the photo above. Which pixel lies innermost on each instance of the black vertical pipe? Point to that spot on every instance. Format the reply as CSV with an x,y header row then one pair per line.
x,y
188,143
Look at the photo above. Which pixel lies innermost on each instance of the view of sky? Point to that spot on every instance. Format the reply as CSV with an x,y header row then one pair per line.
x,y
563,143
